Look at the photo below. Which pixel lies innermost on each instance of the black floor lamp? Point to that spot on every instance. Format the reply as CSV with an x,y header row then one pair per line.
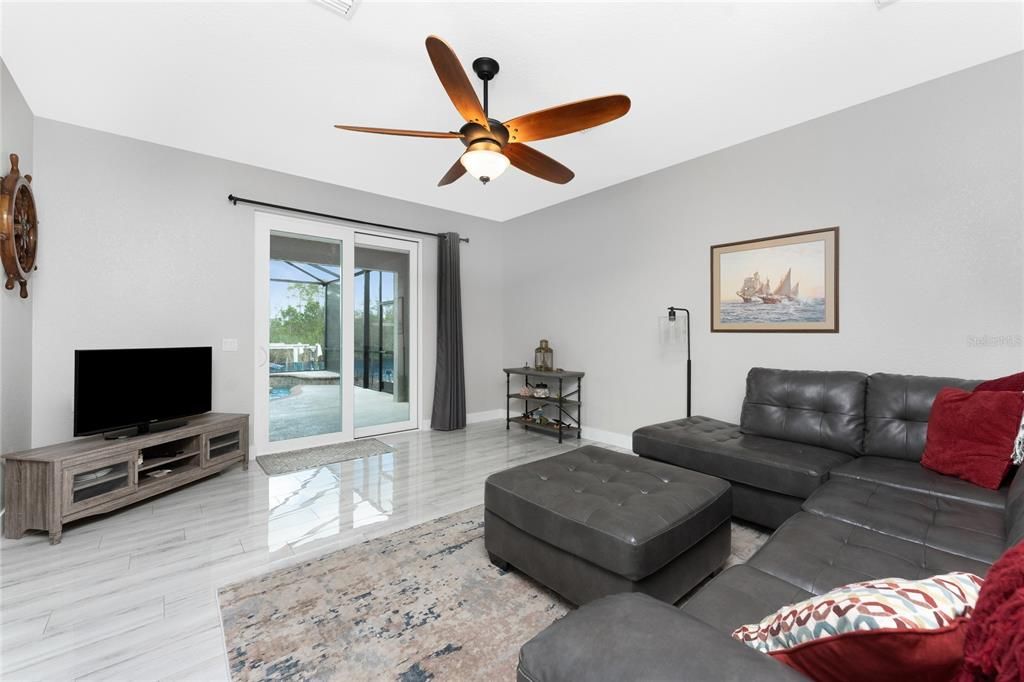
x,y
689,368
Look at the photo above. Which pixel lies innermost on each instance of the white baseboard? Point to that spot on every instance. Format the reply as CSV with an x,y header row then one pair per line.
x,y
485,416
619,440
473,418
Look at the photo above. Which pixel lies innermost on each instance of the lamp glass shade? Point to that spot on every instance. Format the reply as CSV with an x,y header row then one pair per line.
x,y
671,332
484,164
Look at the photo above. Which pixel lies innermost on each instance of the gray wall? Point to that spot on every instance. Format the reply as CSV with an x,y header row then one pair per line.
x,y
143,249
140,247
926,186
16,136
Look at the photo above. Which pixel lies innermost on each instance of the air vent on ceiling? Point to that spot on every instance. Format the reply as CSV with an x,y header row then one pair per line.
x,y
343,7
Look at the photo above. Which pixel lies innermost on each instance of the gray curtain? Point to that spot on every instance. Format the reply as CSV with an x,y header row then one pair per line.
x,y
450,376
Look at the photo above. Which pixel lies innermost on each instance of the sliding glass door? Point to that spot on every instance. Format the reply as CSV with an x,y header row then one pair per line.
x,y
384,343
302,332
336,321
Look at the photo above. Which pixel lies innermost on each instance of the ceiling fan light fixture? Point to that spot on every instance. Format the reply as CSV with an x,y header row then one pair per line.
x,y
484,160
492,145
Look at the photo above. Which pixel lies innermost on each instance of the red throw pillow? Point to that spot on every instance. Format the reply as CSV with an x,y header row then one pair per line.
x,y
994,637
970,435
872,655
1014,382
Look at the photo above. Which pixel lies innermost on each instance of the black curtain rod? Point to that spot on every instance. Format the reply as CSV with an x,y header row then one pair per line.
x,y
237,200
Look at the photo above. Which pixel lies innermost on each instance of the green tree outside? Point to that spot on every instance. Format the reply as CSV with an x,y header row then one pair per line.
x,y
302,322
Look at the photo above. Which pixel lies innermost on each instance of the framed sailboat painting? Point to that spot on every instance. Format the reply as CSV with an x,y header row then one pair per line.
x,y
785,283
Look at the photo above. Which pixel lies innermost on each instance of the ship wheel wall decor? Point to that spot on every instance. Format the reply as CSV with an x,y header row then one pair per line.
x,y
19,227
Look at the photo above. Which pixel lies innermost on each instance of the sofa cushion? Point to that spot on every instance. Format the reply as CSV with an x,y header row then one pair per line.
x,y
896,412
624,513
909,475
948,525
824,409
636,637
818,553
741,594
718,448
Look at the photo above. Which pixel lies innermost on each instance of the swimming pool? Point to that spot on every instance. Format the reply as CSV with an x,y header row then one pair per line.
x,y
278,392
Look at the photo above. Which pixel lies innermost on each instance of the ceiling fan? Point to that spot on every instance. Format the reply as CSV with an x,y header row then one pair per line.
x,y
492,145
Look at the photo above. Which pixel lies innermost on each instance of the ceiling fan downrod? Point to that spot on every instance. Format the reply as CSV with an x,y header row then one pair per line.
x,y
486,68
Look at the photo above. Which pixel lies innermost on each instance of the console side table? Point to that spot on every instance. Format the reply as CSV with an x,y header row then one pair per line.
x,y
565,401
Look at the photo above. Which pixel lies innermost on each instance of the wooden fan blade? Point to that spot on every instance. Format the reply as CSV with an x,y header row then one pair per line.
x,y
455,81
567,118
533,162
454,173
396,131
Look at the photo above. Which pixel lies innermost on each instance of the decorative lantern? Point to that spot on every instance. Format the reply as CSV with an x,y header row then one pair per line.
x,y
544,357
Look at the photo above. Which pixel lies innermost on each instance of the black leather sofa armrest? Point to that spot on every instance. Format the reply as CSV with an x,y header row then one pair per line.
x,y
635,637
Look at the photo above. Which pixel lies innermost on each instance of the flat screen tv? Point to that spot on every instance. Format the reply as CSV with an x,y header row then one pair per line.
x,y
140,388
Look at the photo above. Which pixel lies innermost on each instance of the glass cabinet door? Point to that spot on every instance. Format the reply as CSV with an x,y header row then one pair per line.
x,y
93,483
224,445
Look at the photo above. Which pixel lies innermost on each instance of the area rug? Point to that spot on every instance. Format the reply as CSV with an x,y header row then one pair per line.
x,y
423,603
311,458
420,603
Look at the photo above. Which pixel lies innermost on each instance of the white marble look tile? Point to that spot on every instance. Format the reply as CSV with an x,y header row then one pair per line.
x,y
132,595
213,668
19,631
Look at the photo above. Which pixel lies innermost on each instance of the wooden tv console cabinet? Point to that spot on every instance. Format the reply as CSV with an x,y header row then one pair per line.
x,y
46,487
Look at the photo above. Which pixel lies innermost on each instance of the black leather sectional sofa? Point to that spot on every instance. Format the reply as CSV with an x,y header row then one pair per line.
x,y
798,429
833,460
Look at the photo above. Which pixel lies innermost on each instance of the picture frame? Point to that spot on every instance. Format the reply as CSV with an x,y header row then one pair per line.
x,y
783,283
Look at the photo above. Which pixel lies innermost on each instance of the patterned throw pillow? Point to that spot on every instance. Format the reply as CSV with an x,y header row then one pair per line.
x,y
890,629
892,603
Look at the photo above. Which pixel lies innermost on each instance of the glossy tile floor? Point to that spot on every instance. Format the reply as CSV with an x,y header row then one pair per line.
x,y
133,595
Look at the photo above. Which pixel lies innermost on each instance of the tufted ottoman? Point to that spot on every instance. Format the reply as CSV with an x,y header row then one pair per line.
x,y
592,522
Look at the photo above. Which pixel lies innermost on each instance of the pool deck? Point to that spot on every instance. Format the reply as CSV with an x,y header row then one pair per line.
x,y
314,409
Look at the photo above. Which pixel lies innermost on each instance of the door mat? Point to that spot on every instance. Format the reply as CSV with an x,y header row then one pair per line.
x,y
311,458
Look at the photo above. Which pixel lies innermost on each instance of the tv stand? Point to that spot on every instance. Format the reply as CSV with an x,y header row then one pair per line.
x,y
47,487
142,429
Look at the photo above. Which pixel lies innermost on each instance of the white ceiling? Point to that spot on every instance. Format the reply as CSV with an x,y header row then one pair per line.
x,y
263,83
